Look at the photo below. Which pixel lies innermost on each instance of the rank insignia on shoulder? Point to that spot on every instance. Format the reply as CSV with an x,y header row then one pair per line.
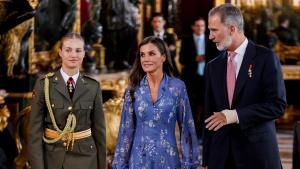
x,y
89,77
50,74
84,75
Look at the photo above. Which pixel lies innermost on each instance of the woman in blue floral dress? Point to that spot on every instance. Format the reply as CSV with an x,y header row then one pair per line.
x,y
154,102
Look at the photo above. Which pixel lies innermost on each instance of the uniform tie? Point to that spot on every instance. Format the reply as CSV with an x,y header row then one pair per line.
x,y
71,86
230,77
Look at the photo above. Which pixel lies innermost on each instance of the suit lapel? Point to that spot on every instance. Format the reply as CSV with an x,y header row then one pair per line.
x,y
165,37
243,72
194,47
223,70
60,85
80,88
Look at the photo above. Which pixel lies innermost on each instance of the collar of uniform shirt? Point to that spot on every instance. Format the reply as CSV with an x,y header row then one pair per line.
x,y
66,77
240,52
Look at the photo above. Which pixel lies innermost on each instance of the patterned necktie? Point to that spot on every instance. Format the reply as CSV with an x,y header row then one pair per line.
x,y
230,77
71,86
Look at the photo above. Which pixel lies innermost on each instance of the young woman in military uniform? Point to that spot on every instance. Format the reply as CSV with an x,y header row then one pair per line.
x,y
67,126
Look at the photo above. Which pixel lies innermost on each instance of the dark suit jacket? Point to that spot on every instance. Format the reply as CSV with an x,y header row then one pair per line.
x,y
188,53
87,107
296,146
258,100
285,35
170,40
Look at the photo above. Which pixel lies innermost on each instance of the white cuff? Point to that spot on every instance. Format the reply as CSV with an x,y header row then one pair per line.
x,y
231,116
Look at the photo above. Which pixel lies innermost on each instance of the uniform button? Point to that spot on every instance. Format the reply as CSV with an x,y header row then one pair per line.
x,y
52,105
70,108
91,147
90,107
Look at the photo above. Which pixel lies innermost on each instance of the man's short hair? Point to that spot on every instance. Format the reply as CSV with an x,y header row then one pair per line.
x,y
229,15
197,19
157,14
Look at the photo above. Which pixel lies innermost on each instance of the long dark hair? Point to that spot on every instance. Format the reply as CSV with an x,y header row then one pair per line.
x,y
137,72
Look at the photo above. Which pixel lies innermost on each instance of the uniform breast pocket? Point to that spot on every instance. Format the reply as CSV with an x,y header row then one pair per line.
x,y
86,109
57,110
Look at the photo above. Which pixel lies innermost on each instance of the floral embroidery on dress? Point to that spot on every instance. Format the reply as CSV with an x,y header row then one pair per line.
x,y
147,131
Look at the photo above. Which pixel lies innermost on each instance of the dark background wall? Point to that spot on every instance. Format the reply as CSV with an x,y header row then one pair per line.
x,y
187,11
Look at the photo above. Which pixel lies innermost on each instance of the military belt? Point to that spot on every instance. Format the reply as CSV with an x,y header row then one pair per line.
x,y
68,138
76,135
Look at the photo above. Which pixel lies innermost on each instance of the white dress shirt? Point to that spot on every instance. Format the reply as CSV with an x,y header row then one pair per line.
x,y
160,34
66,77
231,115
200,46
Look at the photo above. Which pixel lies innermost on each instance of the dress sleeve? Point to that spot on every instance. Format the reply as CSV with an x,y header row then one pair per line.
x,y
126,134
188,138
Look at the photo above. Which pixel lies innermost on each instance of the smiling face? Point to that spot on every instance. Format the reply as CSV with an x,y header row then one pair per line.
x,y
151,58
219,33
72,53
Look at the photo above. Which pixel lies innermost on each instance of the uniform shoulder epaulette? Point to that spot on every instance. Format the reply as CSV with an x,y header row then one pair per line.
x,y
89,77
50,74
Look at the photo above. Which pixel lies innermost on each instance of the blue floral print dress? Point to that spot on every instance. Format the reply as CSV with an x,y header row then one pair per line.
x,y
147,131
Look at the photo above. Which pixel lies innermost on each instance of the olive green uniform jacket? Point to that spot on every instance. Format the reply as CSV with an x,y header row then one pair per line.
x,y
87,153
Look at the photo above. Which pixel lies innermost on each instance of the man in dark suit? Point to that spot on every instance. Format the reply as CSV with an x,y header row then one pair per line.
x,y
196,50
284,33
244,95
67,126
158,25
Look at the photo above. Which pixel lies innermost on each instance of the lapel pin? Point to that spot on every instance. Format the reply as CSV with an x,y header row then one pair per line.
x,y
250,70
